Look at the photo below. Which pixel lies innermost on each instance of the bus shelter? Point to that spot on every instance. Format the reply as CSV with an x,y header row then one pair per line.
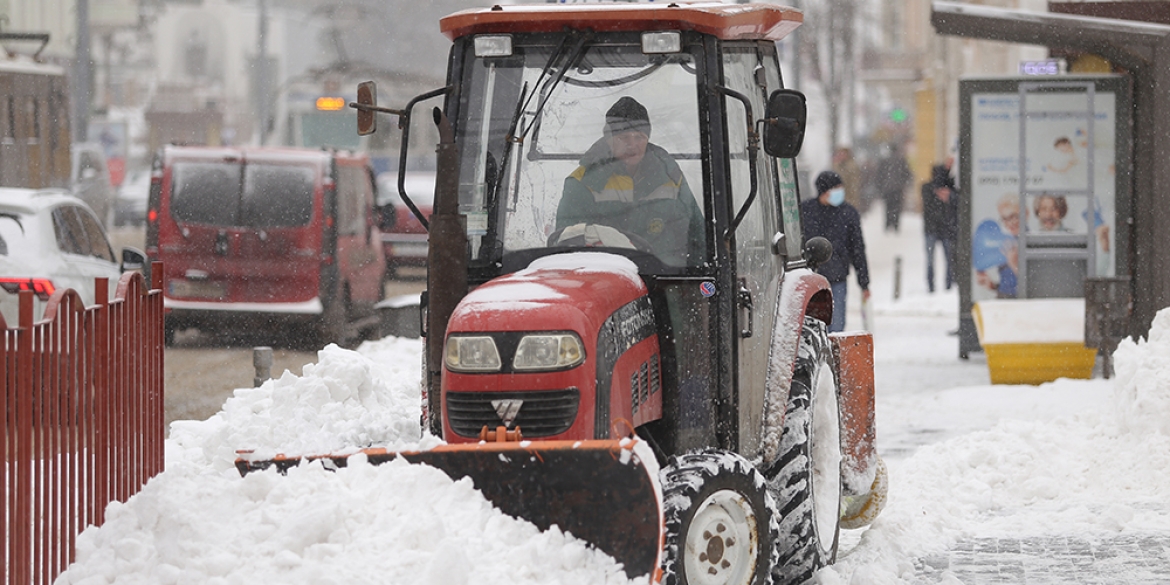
x,y
1109,246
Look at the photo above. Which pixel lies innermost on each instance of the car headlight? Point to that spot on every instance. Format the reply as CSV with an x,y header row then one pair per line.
x,y
472,354
548,352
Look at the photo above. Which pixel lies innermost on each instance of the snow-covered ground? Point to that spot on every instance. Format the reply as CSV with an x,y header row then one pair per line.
x,y
967,460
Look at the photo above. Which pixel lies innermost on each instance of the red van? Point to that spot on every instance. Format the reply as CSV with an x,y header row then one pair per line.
x,y
256,237
404,239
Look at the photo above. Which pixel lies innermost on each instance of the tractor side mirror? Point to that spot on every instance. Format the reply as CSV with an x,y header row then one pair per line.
x,y
784,122
817,251
367,95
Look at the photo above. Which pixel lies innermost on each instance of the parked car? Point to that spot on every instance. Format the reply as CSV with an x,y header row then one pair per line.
x,y
256,237
51,240
130,203
404,239
91,180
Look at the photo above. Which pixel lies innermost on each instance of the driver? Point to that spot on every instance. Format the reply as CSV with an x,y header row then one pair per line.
x,y
628,184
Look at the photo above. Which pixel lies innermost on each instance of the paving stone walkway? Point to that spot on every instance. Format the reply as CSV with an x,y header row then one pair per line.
x,y
1060,560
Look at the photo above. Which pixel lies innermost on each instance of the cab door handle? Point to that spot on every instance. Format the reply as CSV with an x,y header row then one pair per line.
x,y
744,298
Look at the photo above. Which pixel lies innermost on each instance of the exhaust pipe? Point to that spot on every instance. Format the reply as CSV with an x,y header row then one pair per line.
x,y
446,266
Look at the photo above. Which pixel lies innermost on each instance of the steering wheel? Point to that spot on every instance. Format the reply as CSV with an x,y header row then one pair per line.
x,y
591,235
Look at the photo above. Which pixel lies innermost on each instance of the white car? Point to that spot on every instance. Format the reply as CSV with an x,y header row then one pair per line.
x,y
50,240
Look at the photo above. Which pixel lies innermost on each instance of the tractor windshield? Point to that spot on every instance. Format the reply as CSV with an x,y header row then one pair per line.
x,y
606,152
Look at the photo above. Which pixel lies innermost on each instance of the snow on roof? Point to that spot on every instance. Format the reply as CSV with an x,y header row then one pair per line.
x,y
25,64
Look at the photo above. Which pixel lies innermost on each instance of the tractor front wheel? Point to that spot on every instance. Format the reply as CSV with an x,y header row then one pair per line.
x,y
806,480
720,521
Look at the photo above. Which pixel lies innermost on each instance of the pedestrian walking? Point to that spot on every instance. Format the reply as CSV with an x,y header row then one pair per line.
x,y
940,214
846,166
832,218
893,176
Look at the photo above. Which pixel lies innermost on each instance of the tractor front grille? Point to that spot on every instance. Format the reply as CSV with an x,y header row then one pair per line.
x,y
541,413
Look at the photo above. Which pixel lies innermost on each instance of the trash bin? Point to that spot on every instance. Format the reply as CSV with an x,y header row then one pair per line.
x,y
1032,341
1108,304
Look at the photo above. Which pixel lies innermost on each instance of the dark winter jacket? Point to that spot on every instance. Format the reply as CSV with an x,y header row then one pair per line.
x,y
656,204
940,219
842,227
893,175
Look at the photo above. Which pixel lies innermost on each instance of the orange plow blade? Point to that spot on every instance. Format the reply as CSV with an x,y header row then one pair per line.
x,y
863,472
600,491
854,353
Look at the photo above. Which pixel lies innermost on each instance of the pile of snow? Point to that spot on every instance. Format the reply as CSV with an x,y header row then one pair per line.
x,y
343,402
1143,380
200,522
1099,473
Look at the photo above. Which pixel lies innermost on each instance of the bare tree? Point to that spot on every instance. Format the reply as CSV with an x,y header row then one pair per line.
x,y
829,50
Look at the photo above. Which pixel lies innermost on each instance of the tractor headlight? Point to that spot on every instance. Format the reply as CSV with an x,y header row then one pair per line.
x,y
548,352
472,354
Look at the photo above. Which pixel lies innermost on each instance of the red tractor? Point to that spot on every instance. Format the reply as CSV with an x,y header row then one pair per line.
x,y
624,336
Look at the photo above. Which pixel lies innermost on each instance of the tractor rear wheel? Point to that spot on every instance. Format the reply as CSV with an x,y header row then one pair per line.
x,y
806,479
720,521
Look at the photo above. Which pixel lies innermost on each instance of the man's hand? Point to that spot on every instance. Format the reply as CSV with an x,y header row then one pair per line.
x,y
865,294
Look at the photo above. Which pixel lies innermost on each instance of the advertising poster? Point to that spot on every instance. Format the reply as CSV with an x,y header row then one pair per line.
x,y
1069,182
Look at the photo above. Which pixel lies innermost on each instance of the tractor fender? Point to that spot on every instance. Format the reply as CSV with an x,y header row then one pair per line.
x,y
803,292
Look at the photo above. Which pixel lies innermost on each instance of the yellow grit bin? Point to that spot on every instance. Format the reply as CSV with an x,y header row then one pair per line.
x,y
1032,341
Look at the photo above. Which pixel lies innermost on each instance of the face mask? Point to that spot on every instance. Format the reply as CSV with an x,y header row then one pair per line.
x,y
836,196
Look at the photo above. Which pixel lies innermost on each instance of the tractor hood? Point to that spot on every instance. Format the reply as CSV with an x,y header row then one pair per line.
x,y
562,292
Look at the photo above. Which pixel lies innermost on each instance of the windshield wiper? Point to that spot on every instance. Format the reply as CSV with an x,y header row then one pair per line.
x,y
546,92
521,105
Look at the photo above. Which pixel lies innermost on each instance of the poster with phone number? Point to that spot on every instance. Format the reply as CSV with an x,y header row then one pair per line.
x,y
1058,160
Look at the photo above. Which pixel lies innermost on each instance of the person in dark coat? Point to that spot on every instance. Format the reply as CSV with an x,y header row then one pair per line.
x,y
940,214
893,176
830,217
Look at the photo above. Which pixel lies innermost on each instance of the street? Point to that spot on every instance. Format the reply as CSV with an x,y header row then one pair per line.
x,y
200,371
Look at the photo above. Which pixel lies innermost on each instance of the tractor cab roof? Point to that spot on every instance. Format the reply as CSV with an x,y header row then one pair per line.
x,y
724,21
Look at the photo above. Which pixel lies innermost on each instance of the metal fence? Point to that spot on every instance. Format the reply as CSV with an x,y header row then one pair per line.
x,y
83,423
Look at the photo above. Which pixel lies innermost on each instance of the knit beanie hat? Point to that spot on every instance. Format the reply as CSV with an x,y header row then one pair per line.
x,y
627,114
827,180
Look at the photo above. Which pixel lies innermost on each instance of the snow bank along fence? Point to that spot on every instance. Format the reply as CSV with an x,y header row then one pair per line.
x,y
83,422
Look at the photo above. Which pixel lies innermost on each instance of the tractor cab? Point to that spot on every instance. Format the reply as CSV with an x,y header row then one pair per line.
x,y
615,257
638,136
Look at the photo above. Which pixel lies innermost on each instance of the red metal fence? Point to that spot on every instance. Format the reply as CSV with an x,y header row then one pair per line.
x,y
83,422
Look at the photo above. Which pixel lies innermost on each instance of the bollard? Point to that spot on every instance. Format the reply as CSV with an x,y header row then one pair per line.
x,y
262,361
897,277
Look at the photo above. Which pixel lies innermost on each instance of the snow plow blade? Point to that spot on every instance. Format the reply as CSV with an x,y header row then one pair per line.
x,y
599,491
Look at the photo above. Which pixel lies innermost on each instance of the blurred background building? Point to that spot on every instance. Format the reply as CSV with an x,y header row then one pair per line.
x,y
252,71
